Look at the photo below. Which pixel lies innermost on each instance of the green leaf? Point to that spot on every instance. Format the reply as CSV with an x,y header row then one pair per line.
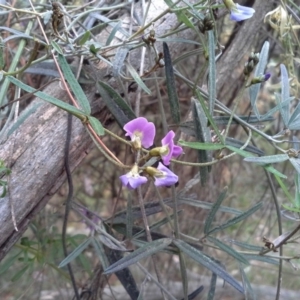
x,y
143,252
212,287
201,146
210,118
171,86
246,246
207,262
237,219
100,252
8,262
75,86
259,70
214,210
202,135
212,71
296,163
75,253
84,38
229,250
285,94
65,106
115,103
19,274
1,54
207,205
261,258
263,160
97,126
137,78
113,33
249,293
129,217
195,293
56,47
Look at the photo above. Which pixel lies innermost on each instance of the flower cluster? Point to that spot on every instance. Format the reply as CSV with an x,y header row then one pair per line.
x,y
238,12
142,133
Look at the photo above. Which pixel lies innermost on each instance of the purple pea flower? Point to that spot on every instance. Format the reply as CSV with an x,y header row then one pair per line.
x,y
168,149
162,175
133,179
238,12
141,132
260,79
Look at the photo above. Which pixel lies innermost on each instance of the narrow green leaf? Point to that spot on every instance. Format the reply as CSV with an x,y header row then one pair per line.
x,y
210,118
272,170
284,188
183,273
129,217
65,106
171,86
229,250
8,262
115,103
97,126
1,54
19,274
238,144
261,258
100,252
208,263
207,205
84,38
202,135
143,252
214,210
137,78
285,94
263,160
294,119
201,146
56,47
237,219
297,190
75,253
212,71
246,246
113,33
296,163
249,293
259,70
212,287
119,60
195,293
223,120
75,86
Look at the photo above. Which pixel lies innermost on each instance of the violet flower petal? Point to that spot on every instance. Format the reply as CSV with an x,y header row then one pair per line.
x,y
167,177
142,129
240,13
132,181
